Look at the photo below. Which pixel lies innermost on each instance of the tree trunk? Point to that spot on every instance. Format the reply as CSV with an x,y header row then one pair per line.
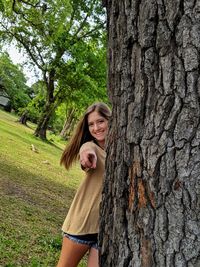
x,y
49,108
68,125
24,117
42,126
151,196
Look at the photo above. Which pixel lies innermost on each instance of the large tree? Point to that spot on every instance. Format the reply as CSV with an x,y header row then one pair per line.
x,y
51,33
150,213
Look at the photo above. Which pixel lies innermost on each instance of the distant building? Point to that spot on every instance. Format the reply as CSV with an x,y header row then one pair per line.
x,y
4,99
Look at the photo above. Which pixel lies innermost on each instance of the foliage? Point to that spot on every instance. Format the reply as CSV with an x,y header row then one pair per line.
x,y
13,82
87,82
34,108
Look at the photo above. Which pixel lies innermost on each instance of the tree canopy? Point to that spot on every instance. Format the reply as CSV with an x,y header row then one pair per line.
x,y
65,40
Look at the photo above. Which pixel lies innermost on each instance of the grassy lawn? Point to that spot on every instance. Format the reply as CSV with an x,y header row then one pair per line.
x,y
35,194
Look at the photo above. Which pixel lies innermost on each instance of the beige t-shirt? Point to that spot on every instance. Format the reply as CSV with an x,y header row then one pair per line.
x,y
83,215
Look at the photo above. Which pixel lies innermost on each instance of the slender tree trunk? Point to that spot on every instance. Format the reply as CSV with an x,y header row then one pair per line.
x,y
49,107
68,125
24,117
151,196
42,126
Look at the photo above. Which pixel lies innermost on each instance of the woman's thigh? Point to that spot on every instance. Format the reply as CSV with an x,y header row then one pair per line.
x,y
71,253
93,258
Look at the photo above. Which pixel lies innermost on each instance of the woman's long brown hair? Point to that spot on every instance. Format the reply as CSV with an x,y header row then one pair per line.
x,y
82,134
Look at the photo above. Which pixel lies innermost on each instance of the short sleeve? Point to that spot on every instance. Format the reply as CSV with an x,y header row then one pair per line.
x,y
88,146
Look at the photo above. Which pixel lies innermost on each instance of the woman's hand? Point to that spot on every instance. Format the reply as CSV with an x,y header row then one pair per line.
x,y
88,159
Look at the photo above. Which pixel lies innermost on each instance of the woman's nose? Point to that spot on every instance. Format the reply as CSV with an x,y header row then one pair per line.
x,y
96,126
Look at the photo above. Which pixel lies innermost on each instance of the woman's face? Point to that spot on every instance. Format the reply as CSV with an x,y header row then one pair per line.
x,y
98,127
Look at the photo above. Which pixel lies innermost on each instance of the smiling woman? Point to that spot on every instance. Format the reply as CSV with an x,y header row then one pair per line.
x,y
81,226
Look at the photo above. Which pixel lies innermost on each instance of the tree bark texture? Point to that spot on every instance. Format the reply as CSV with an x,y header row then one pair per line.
x,y
150,211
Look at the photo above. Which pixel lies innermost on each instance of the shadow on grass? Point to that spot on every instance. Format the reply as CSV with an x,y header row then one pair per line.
x,y
32,210
33,189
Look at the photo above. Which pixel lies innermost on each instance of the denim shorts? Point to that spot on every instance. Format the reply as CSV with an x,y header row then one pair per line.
x,y
89,239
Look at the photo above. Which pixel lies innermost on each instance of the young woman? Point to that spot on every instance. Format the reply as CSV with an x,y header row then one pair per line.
x,y
80,228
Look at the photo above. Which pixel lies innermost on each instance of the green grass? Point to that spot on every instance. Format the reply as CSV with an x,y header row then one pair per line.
x,y
35,194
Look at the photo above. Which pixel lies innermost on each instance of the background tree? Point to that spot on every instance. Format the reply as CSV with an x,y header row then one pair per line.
x,y
151,197
87,83
34,109
51,33
13,81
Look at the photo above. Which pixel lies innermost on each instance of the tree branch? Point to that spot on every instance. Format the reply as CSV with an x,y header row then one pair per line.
x,y
84,20
104,3
89,32
18,12
25,2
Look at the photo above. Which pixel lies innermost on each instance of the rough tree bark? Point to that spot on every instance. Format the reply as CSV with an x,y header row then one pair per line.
x,y
150,212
